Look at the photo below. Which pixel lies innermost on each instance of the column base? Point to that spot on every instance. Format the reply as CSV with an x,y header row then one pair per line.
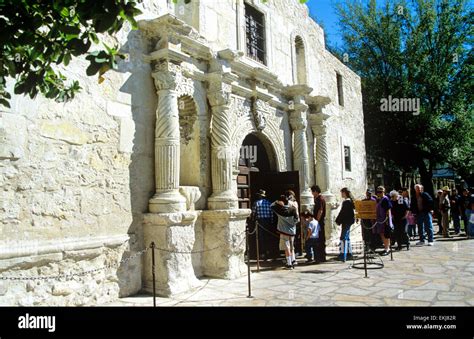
x,y
224,233
167,202
306,200
223,201
331,230
172,233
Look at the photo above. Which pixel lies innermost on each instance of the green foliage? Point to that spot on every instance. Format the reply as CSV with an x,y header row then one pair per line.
x,y
37,35
414,49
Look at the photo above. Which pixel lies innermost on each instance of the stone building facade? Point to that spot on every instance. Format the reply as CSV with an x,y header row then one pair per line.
x,y
150,154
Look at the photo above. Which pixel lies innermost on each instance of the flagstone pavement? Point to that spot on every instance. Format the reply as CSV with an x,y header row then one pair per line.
x,y
441,275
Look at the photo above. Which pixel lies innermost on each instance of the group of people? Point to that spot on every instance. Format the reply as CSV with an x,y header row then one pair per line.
x,y
286,211
398,218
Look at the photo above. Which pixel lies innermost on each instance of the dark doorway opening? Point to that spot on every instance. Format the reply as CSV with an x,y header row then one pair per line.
x,y
257,171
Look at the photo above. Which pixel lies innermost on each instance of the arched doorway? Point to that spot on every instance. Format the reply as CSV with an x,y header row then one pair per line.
x,y
258,170
253,158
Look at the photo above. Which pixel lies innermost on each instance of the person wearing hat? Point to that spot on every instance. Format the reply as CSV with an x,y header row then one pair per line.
x,y
262,215
444,207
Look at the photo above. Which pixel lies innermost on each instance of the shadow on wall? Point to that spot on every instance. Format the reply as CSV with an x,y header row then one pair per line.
x,y
137,138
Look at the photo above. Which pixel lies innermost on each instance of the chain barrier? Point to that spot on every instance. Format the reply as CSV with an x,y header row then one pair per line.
x,y
268,231
72,275
69,276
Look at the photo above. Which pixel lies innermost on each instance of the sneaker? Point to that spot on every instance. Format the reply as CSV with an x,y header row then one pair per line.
x,y
294,263
289,267
420,243
431,244
385,252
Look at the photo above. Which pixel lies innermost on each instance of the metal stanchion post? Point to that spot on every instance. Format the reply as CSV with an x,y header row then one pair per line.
x,y
153,271
365,259
258,250
248,261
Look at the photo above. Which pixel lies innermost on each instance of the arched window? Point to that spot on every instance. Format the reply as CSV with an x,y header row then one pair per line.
x,y
300,61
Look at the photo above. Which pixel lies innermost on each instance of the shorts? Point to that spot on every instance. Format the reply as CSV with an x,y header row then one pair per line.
x,y
284,239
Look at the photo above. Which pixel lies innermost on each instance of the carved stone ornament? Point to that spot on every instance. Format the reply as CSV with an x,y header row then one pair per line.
x,y
260,111
219,94
165,75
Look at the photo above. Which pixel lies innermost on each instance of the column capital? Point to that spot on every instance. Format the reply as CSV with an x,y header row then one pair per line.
x,y
218,92
317,123
165,75
298,120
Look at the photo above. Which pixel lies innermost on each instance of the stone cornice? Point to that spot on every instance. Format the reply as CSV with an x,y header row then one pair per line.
x,y
317,103
297,91
181,44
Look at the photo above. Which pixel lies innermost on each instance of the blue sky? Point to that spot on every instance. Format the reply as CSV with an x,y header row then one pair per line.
x,y
324,10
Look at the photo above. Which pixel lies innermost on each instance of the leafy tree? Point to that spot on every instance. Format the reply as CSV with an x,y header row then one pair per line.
x,y
38,35
419,49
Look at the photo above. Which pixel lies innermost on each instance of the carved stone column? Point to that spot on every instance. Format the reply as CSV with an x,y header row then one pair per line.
x,y
301,155
222,153
322,176
167,198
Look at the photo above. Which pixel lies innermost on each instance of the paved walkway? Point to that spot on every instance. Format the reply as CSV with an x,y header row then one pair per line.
x,y
442,275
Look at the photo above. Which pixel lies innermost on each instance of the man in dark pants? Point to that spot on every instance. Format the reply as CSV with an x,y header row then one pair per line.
x,y
262,214
437,211
422,207
319,214
456,211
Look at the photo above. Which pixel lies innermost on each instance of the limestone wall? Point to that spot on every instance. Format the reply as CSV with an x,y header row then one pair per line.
x,y
75,180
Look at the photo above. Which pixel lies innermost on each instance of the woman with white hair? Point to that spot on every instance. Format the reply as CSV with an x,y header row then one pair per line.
x,y
399,218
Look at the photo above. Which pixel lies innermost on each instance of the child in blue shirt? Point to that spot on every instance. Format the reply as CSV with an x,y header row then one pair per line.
x,y
312,235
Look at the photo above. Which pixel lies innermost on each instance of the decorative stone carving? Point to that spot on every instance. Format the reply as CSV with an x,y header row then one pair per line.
x,y
260,111
301,156
185,86
192,195
240,107
167,142
223,196
187,117
318,126
165,75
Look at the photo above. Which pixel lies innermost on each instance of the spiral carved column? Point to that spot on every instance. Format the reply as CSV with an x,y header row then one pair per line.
x,y
301,156
222,153
167,198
